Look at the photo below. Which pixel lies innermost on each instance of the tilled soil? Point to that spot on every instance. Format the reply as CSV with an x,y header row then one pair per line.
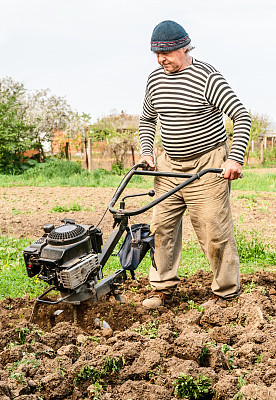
x,y
24,210
53,357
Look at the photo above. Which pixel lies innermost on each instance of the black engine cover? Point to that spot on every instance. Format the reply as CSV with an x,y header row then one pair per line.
x,y
61,248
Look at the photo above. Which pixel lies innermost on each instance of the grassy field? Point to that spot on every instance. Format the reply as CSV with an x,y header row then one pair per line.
x,y
256,182
67,173
14,281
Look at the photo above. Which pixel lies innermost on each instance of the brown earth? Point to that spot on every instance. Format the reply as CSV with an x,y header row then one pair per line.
x,y
24,210
51,357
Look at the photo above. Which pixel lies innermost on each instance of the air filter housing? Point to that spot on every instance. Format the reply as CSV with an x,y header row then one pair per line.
x,y
67,234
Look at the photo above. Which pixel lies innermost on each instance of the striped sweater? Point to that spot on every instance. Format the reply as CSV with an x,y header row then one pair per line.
x,y
190,105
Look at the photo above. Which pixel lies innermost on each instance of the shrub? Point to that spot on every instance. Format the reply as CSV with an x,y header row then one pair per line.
x,y
53,168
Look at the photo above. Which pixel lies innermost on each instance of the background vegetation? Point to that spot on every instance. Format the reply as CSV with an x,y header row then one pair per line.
x,y
56,172
31,120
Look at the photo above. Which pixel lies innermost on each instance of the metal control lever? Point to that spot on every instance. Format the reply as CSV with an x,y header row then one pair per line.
x,y
151,193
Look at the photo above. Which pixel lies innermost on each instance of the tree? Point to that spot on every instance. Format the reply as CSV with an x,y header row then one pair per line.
x,y
120,131
46,113
16,135
259,125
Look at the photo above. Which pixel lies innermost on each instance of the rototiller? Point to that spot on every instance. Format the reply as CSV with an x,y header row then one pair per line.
x,y
71,258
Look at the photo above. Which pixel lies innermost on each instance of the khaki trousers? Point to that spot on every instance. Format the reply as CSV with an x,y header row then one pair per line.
x,y
208,204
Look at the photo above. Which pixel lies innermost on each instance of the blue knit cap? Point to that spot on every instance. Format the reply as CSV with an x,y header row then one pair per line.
x,y
169,36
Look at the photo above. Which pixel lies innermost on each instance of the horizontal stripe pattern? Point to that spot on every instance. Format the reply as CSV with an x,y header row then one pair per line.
x,y
190,105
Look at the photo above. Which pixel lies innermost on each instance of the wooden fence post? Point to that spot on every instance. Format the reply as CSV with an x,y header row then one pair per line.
x,y
85,152
66,150
262,152
90,143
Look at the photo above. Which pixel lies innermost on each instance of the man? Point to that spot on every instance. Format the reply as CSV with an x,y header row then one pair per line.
x,y
189,97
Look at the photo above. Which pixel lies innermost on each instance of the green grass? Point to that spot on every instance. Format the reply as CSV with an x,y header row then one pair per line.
x,y
254,254
68,173
250,200
14,281
70,207
255,182
253,250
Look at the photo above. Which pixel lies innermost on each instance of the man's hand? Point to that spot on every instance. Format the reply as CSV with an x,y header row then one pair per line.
x,y
232,169
149,160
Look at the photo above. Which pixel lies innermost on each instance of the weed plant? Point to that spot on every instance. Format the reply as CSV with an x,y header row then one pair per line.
x,y
185,386
23,333
249,286
241,381
259,359
250,199
193,306
88,373
229,352
92,339
35,363
149,329
19,377
110,368
238,396
95,391
205,352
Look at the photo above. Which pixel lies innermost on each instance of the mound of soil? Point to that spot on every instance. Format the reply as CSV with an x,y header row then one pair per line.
x,y
142,354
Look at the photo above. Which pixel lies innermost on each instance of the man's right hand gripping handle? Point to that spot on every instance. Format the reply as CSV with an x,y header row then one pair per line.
x,y
149,161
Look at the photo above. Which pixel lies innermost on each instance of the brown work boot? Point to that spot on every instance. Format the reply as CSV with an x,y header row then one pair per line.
x,y
219,301
157,299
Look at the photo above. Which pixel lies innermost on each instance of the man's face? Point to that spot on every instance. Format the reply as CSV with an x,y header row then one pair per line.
x,y
172,61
